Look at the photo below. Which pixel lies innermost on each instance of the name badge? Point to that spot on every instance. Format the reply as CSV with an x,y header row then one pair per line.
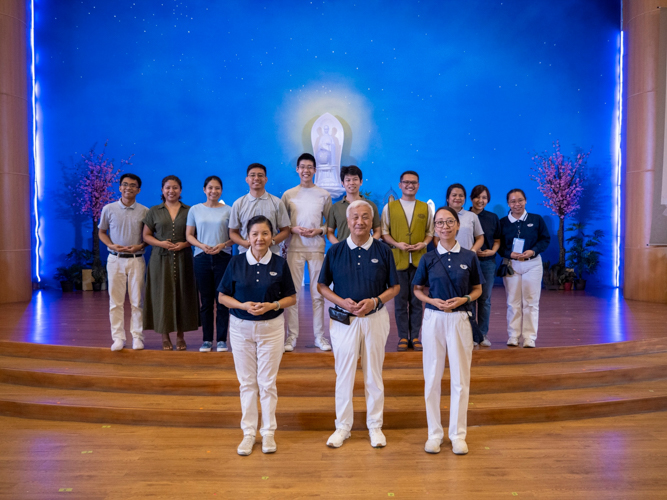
x,y
463,266
530,225
374,261
517,245
273,273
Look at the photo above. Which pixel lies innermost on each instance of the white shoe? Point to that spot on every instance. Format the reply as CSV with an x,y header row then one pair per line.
x,y
377,438
268,444
117,345
475,343
513,342
337,438
245,448
528,343
290,343
137,344
323,344
486,342
459,447
432,445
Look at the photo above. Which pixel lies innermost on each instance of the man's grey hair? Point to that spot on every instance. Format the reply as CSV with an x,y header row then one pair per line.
x,y
359,203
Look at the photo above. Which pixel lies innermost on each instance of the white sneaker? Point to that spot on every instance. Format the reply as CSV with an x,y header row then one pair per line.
x,y
486,342
459,447
513,342
245,448
323,344
528,343
117,345
268,444
337,438
290,343
137,344
433,445
377,438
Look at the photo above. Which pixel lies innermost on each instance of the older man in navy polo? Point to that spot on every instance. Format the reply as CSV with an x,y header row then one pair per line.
x,y
363,273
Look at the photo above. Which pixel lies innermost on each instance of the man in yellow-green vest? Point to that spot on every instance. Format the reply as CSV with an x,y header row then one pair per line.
x,y
407,225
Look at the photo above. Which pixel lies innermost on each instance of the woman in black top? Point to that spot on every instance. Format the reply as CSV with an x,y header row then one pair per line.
x,y
256,287
524,237
480,197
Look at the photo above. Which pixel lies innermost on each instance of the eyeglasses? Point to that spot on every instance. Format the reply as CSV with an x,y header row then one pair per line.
x,y
256,176
127,185
410,183
308,167
447,222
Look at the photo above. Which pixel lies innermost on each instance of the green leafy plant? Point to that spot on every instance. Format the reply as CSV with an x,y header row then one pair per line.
x,y
68,273
581,255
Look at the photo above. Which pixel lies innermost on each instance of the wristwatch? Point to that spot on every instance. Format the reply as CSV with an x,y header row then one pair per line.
x,y
468,298
273,242
277,304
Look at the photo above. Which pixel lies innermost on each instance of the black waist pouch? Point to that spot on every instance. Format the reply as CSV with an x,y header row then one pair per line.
x,y
340,316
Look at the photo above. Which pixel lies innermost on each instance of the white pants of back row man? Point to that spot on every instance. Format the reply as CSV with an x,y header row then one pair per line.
x,y
126,275
365,337
297,261
257,347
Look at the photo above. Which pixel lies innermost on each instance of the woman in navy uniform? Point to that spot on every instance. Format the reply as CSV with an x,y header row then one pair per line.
x,y
256,287
524,237
453,277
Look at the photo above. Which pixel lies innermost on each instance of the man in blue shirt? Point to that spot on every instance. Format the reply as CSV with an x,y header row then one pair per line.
x,y
364,276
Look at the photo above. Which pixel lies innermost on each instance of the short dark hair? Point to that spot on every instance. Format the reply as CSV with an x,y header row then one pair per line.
x,y
130,176
516,190
171,178
351,170
479,189
451,211
259,219
409,172
255,165
306,156
455,186
212,178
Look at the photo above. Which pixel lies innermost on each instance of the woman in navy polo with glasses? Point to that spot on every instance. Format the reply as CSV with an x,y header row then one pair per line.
x,y
453,278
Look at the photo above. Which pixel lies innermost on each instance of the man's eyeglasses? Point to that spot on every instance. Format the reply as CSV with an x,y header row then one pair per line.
x,y
447,222
410,183
128,185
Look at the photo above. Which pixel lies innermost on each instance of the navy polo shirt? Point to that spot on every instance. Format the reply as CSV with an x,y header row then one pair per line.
x,y
491,226
359,273
462,267
530,227
250,281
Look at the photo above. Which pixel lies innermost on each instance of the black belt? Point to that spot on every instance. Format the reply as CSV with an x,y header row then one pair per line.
x,y
127,255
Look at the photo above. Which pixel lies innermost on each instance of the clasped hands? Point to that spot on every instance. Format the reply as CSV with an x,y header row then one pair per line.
x,y
127,249
450,304
258,308
174,247
410,248
522,256
359,309
214,250
307,233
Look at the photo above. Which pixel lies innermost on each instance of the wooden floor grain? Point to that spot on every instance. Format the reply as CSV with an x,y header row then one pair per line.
x,y
607,458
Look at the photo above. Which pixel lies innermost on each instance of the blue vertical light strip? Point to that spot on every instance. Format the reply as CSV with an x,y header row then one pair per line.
x,y
36,160
619,159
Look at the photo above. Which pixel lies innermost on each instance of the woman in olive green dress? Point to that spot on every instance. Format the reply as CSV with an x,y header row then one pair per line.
x,y
171,292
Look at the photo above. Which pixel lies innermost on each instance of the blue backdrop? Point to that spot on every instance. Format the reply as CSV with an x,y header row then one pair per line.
x,y
459,91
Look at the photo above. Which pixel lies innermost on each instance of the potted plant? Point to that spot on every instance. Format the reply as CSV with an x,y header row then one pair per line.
x,y
67,276
100,276
560,180
78,259
566,279
582,256
94,189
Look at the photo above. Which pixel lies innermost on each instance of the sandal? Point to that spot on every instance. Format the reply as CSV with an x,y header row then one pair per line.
x,y
180,344
402,345
167,345
417,345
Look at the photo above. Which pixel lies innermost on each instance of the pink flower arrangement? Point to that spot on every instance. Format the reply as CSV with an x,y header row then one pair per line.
x,y
561,182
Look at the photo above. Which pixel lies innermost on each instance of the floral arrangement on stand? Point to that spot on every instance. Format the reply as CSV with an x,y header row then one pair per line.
x,y
96,177
560,179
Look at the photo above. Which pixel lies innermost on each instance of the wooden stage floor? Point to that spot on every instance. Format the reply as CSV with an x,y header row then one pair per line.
x,y
566,319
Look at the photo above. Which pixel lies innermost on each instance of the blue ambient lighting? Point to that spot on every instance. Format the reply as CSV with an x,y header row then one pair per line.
x,y
35,154
617,186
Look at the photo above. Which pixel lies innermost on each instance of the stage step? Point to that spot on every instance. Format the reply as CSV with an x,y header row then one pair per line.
x,y
317,413
222,381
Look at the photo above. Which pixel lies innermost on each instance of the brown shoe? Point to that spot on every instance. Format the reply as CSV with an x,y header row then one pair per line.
x,y
402,345
417,345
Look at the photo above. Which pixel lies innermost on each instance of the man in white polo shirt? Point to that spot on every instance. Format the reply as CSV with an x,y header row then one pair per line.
x,y
120,230
308,207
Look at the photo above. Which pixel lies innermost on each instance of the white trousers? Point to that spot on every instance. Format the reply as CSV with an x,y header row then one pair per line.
x,y
126,275
257,347
365,337
297,262
523,290
447,333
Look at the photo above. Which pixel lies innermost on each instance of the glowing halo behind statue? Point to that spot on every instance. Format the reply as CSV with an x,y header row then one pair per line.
x,y
327,137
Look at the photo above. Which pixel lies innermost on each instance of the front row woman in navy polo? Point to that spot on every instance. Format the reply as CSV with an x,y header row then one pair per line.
x,y
453,277
256,287
524,237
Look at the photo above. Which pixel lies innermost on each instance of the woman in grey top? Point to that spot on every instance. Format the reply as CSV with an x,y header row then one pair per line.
x,y
208,232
